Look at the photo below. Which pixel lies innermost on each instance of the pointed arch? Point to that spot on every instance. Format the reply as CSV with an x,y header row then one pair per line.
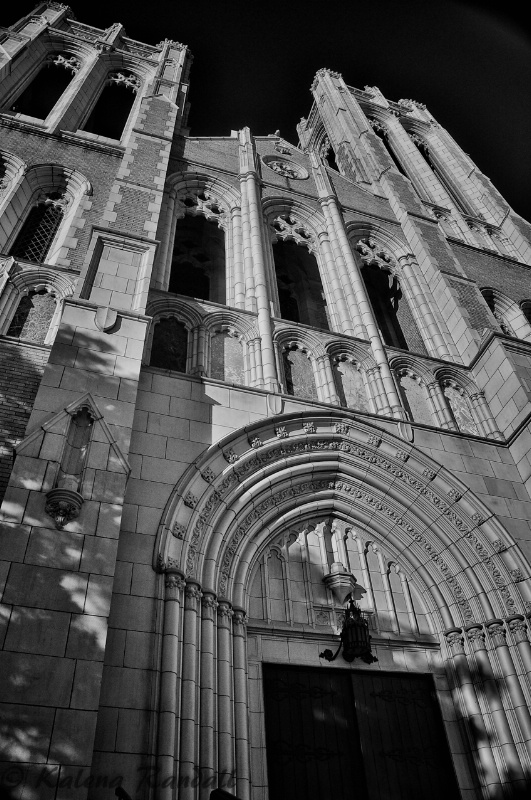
x,y
238,495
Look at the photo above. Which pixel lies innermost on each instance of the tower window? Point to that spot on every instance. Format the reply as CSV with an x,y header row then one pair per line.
x,y
300,290
112,109
39,229
198,263
39,98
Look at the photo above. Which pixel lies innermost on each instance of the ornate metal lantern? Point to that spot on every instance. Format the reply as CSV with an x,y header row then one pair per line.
x,y
355,639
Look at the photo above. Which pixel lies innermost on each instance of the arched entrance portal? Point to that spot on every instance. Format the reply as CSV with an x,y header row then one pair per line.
x,y
248,539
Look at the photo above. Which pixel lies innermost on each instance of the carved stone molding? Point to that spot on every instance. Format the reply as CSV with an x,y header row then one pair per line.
x,y
518,627
63,505
174,585
476,637
496,631
455,641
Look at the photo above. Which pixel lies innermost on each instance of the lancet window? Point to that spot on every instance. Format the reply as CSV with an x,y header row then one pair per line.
x,y
414,397
113,106
293,580
198,260
42,94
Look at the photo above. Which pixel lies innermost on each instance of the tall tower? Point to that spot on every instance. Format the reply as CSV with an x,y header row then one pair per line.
x,y
244,381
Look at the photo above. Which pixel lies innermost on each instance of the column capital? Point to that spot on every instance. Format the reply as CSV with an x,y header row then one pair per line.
x,y
455,641
239,622
476,636
518,627
225,614
174,583
192,595
496,631
209,605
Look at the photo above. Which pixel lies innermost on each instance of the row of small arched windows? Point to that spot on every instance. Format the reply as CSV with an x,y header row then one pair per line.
x,y
348,383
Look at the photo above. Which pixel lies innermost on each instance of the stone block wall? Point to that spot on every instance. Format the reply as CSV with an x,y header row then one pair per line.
x,y
21,369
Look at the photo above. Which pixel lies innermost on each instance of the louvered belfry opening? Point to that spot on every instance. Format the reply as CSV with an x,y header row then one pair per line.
x,y
38,231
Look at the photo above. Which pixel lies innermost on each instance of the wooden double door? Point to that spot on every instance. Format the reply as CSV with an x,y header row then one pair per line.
x,y
333,734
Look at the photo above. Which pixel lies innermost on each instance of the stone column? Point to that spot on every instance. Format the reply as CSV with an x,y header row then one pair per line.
x,y
188,754
476,637
237,258
345,320
169,682
476,724
207,719
482,410
362,302
225,707
241,706
497,635
416,282
250,188
444,417
519,629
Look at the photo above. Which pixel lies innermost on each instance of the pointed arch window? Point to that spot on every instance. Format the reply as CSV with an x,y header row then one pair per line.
x,y
42,94
198,259
226,357
111,111
40,228
414,397
460,409
350,384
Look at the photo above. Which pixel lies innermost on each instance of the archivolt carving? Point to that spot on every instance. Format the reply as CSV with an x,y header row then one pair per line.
x,y
259,448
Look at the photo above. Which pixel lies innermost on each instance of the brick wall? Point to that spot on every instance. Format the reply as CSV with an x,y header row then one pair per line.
x,y
509,277
21,369
97,166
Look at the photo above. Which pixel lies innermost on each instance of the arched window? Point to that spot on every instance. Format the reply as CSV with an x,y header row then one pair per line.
x,y
41,95
385,295
300,289
497,311
113,106
198,261
350,384
460,408
33,317
424,149
383,135
169,349
226,358
40,227
414,398
298,372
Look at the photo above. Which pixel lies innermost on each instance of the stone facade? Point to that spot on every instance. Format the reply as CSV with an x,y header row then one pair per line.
x,y
342,383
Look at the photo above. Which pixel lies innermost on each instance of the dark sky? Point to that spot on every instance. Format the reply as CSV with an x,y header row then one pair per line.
x,y
469,62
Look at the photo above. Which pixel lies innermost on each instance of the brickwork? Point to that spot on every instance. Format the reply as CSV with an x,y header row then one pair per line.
x,y
132,211
156,117
21,370
97,165
487,269
438,247
471,300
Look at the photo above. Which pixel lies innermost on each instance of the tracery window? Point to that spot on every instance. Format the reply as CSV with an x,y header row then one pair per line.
x,y
42,94
40,227
198,259
290,581
112,108
169,349
300,289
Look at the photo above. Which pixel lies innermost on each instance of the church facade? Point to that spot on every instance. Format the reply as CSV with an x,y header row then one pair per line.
x,y
243,381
